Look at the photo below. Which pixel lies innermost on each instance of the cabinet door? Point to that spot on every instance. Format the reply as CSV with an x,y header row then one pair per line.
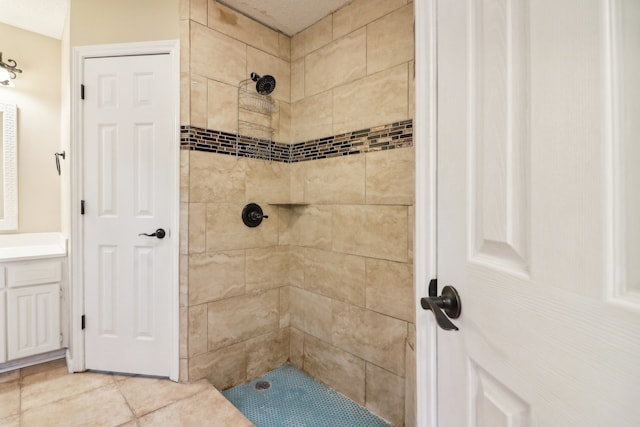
x,y
3,347
33,320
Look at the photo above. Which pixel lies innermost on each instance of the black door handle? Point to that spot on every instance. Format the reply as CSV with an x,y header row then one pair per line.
x,y
449,301
159,233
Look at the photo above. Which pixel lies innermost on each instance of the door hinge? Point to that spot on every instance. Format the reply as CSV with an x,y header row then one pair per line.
x,y
82,324
61,339
81,207
81,91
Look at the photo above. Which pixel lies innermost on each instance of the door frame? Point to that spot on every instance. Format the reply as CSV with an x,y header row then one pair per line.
x,y
75,352
425,258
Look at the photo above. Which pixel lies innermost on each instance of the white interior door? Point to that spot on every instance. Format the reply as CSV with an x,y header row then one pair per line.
x,y
128,141
536,122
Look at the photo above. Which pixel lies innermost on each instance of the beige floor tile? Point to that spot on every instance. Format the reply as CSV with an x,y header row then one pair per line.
x,y
47,390
118,378
7,377
107,409
10,422
44,375
9,399
46,395
145,395
55,365
206,408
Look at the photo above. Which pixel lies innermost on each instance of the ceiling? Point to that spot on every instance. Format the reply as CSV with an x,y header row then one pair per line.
x,y
44,17
288,16
47,17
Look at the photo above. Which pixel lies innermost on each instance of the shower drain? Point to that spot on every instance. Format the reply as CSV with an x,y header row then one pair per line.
x,y
262,385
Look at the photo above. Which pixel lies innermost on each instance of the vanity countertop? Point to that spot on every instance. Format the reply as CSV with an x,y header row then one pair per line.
x,y
27,246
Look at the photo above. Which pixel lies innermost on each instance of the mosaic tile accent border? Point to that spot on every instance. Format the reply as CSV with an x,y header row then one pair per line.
x,y
385,137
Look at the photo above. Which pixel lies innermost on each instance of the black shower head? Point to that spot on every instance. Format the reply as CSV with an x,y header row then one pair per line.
x,y
265,84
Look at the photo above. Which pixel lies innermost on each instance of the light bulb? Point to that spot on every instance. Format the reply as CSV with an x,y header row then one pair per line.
x,y
5,78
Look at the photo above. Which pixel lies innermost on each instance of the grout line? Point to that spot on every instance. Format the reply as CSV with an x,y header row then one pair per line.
x,y
126,401
20,397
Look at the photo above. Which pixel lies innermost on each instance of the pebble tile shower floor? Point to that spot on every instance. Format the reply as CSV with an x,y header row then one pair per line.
x,y
288,397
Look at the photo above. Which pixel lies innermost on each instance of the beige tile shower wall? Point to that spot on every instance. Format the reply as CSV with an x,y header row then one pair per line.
x,y
327,283
233,282
351,296
220,49
353,70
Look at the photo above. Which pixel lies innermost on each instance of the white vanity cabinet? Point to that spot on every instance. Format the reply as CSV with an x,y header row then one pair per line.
x,y
3,316
33,307
31,283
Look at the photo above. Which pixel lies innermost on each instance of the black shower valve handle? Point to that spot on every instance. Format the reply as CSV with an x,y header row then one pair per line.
x,y
252,215
257,215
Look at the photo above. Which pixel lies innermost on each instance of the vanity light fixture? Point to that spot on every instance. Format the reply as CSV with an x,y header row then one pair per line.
x,y
8,71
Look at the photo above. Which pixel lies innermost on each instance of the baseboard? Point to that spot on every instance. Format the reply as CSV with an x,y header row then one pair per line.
x,y
32,360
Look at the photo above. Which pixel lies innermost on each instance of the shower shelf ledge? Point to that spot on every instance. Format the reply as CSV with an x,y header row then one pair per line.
x,y
288,204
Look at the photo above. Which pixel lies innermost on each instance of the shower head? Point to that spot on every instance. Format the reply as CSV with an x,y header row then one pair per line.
x,y
265,84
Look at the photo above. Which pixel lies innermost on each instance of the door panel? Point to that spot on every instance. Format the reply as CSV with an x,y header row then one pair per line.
x,y
107,290
144,170
498,108
493,404
107,170
128,143
524,217
144,293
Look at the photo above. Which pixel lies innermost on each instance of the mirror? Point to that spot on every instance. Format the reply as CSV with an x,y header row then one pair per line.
x,y
8,167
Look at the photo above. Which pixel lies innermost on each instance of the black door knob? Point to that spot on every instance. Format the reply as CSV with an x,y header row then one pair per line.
x,y
448,302
159,233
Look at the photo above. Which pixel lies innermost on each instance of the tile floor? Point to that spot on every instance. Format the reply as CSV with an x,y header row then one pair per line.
x,y
47,395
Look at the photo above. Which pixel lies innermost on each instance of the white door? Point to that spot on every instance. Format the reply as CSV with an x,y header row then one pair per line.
x,y
532,212
128,141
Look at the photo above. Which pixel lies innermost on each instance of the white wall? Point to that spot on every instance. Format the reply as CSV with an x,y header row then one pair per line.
x,y
37,96
119,21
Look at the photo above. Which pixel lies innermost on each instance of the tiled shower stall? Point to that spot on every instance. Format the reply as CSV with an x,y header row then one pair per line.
x,y
327,280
